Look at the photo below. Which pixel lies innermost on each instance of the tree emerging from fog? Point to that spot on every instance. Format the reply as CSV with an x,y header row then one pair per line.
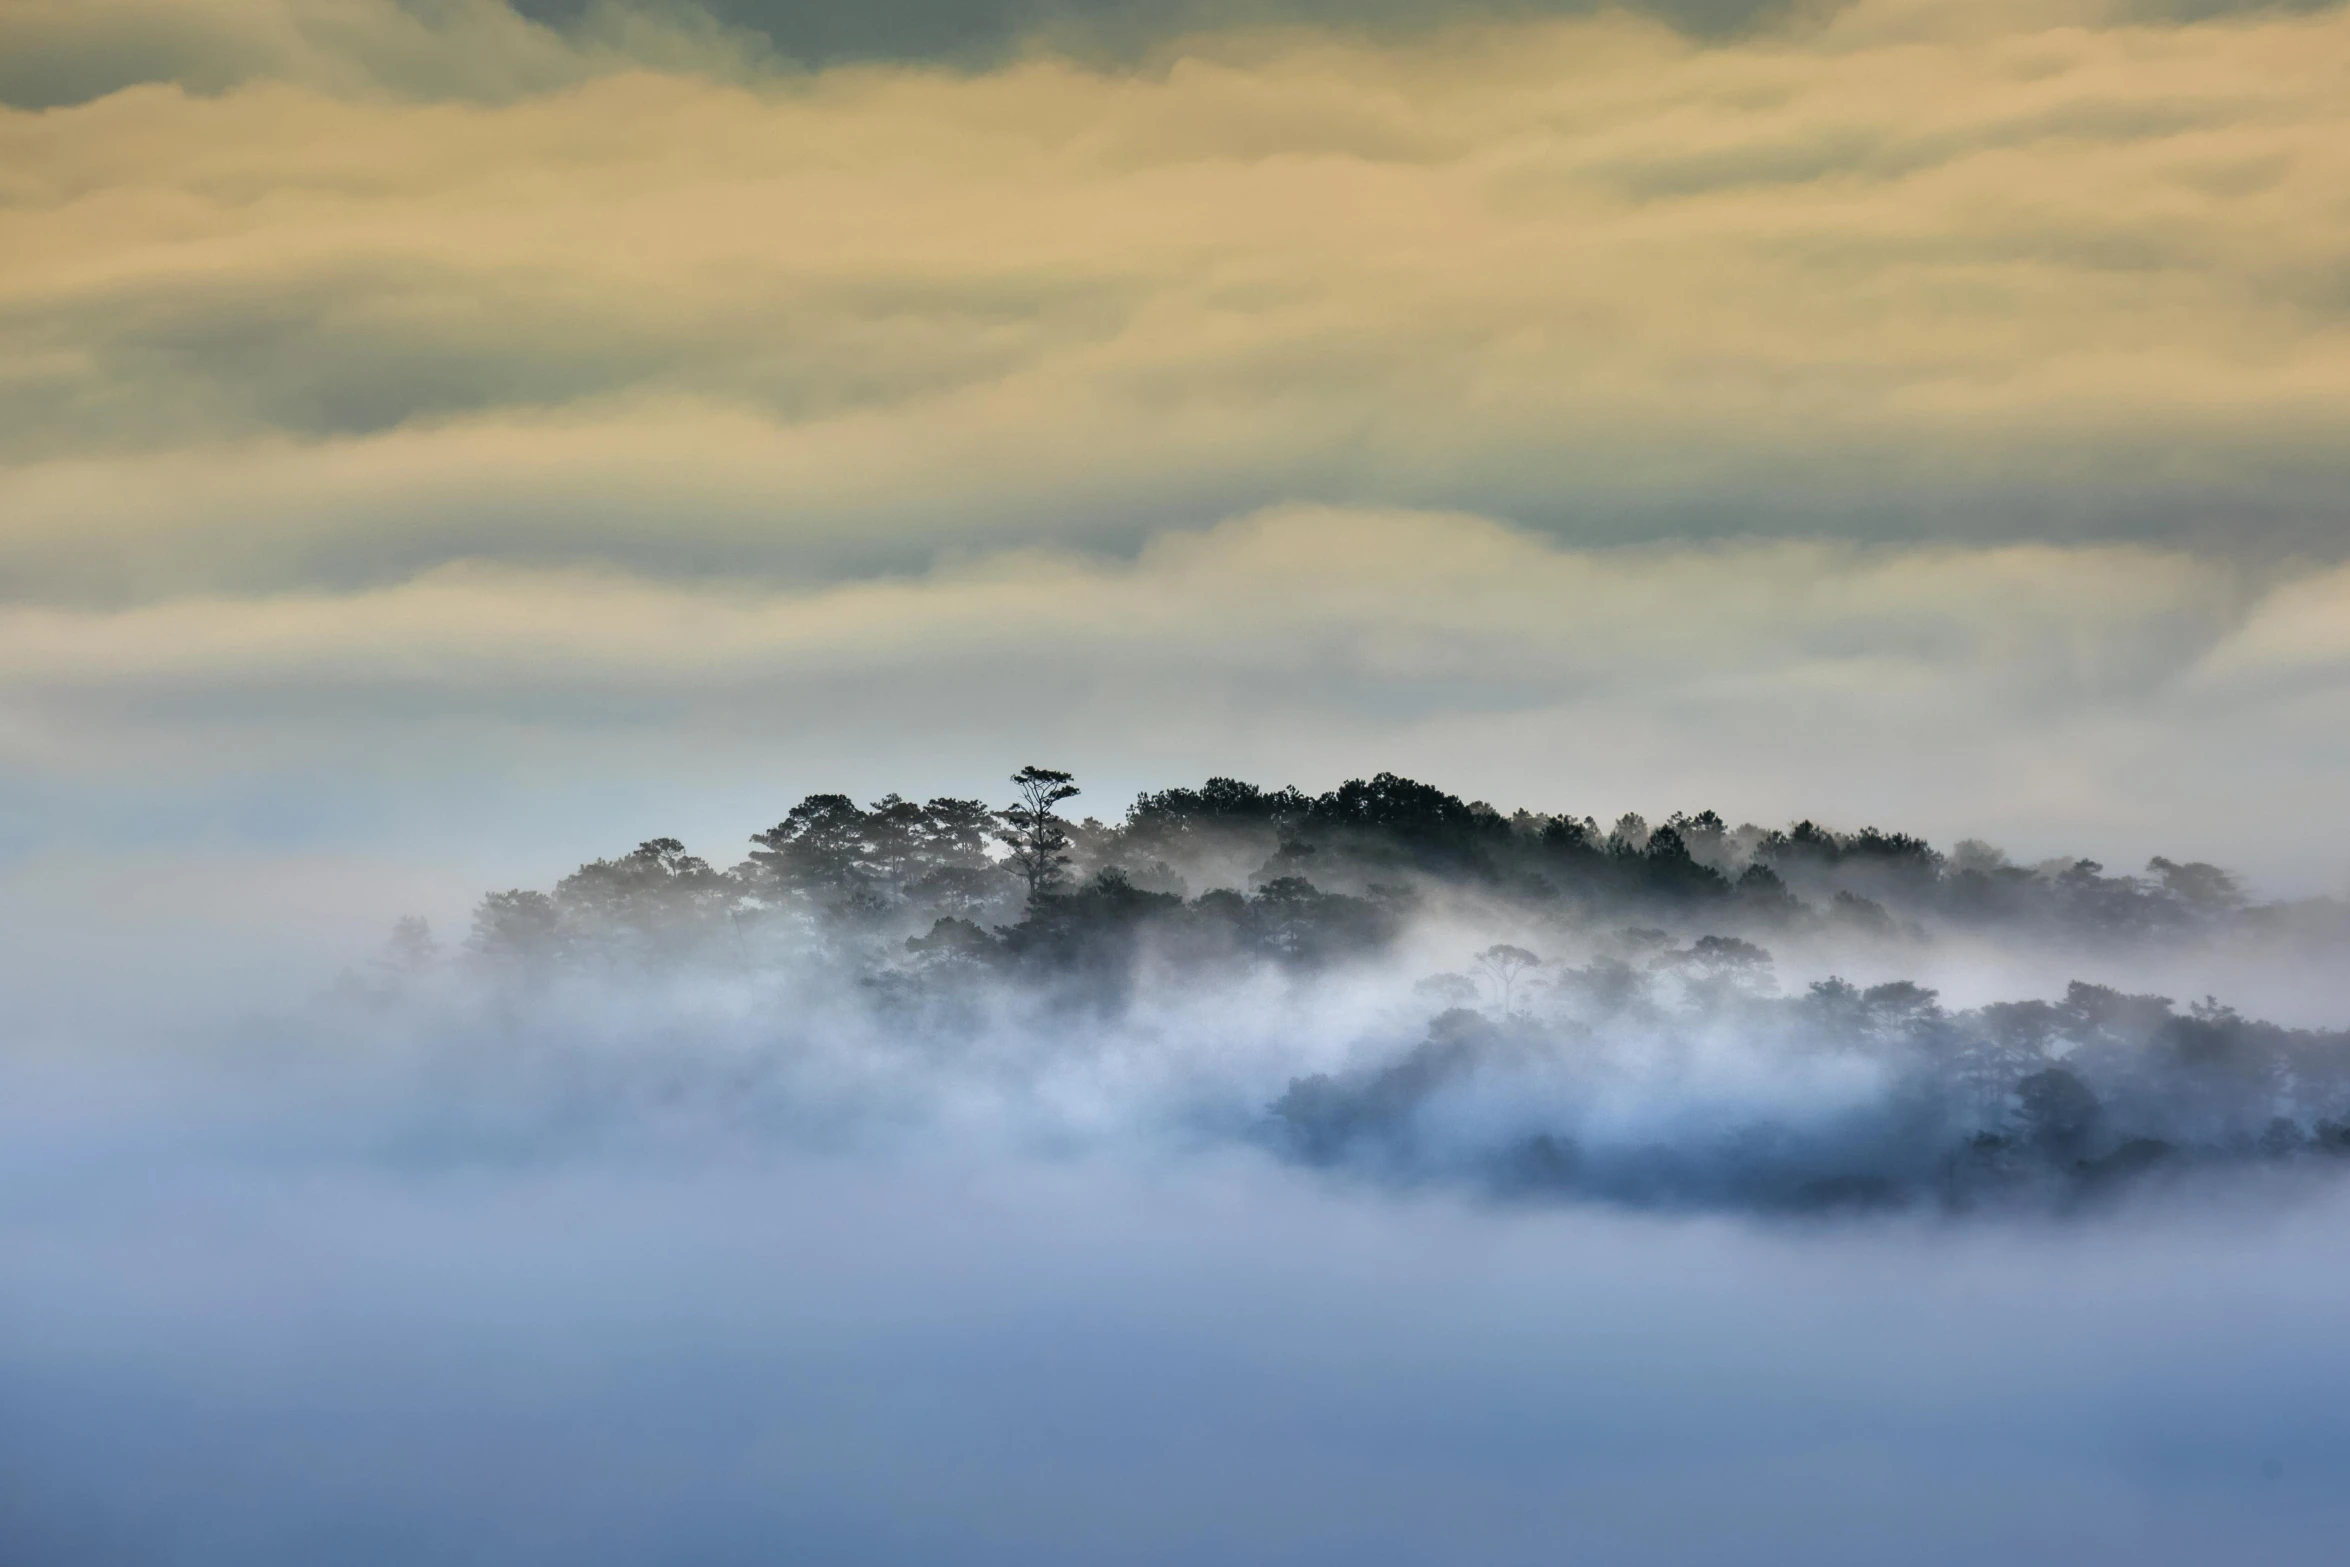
x,y
1612,1023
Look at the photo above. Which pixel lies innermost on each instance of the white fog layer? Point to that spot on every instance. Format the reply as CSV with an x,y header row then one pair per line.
x,y
1260,1177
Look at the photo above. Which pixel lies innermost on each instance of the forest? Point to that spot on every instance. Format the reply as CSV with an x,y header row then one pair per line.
x,y
1398,985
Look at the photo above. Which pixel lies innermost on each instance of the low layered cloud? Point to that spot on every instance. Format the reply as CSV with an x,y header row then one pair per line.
x,y
1390,605
1935,408
61,52
2104,699
1906,272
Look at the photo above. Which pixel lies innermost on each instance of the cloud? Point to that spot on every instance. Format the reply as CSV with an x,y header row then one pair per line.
x,y
1390,603
60,52
2099,699
1911,273
55,52
2300,638
1966,383
606,1361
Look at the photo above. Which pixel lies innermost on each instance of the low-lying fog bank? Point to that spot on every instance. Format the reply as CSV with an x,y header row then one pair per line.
x,y
1390,981
1373,1178
208,1358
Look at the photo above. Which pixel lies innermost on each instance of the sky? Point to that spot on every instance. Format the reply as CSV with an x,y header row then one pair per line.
x,y
443,440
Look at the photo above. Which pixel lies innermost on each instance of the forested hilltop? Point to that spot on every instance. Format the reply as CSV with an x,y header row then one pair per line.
x,y
1306,878
1409,985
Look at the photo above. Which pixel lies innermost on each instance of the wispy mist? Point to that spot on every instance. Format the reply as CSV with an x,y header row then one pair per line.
x,y
237,1358
1383,982
1261,1177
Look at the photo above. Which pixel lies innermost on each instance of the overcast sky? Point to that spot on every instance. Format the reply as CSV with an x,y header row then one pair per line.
x,y
442,435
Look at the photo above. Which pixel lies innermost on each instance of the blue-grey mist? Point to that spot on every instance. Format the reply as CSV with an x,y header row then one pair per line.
x,y
281,1295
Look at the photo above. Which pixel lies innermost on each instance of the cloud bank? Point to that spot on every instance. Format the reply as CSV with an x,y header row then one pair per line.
x,y
1902,272
594,1365
2096,699
1936,407
634,1259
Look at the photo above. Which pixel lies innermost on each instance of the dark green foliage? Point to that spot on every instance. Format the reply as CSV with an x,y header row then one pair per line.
x,y
956,941
1564,839
1327,1118
1669,872
1091,937
653,900
895,866
1291,920
1987,1106
829,858
1406,810
2060,1112
823,849
1035,835
1220,802
948,912
2204,888
920,907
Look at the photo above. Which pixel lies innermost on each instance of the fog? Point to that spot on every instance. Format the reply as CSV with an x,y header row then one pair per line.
x,y
792,1231
727,1357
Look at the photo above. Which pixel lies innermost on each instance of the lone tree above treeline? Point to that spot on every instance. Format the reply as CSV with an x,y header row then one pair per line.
x,y
1035,838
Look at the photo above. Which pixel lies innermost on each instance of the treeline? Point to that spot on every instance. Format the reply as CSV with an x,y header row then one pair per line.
x,y
2015,1103
1653,985
1301,878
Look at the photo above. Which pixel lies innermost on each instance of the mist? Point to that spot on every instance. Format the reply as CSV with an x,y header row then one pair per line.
x,y
726,1357
1389,981
1258,1177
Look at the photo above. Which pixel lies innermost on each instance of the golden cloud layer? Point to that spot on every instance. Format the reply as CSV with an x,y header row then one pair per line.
x,y
1919,270
368,367
1381,596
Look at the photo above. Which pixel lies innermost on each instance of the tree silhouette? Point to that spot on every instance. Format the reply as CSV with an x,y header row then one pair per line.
x,y
2004,1102
1503,963
1036,835
821,853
